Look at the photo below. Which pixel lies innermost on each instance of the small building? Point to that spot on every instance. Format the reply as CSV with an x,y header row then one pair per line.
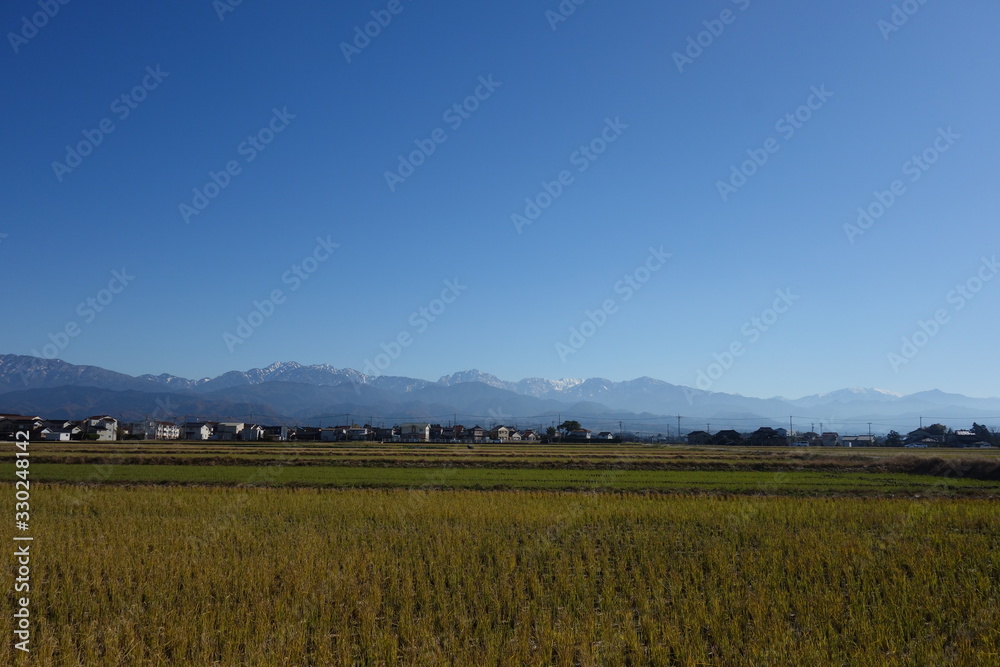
x,y
857,441
830,439
333,434
699,438
727,437
276,433
162,430
358,433
415,432
199,430
228,430
500,433
252,433
387,434
474,434
10,425
100,427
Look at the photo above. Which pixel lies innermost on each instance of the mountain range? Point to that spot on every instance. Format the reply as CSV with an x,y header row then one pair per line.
x,y
288,392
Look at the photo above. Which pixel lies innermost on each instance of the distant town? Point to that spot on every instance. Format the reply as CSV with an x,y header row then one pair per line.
x,y
107,428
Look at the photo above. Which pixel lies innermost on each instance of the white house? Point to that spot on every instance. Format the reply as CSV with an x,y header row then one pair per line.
x,y
199,430
151,429
106,428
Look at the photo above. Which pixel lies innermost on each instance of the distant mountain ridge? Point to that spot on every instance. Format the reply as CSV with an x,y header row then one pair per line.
x,y
294,391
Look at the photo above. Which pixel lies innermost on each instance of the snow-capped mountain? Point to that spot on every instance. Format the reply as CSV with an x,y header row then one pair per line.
x,y
537,387
295,390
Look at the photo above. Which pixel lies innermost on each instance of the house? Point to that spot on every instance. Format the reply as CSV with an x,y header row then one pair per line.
x,y
830,439
276,433
151,429
925,436
474,434
228,431
453,433
579,434
199,430
415,432
387,434
766,436
529,435
727,437
500,433
857,441
605,435
57,430
307,434
965,438
100,427
10,425
699,438
333,434
252,433
358,433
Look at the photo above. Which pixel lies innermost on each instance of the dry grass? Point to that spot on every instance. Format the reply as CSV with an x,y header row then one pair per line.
x,y
295,577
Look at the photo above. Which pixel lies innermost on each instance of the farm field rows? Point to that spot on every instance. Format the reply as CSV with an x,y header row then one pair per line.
x,y
194,575
521,466
217,553
751,482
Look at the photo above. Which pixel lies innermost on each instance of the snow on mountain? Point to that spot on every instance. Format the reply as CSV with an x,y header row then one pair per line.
x,y
473,376
289,384
286,371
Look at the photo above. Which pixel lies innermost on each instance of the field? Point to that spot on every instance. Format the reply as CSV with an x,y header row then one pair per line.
x,y
525,466
184,554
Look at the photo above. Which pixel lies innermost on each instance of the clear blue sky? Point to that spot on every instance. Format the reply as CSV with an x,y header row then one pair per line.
x,y
607,66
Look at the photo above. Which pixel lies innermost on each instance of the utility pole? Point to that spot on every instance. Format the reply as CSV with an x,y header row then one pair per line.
x,y
708,429
621,432
678,427
869,433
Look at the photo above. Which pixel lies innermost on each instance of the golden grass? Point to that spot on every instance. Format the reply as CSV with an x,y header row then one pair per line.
x,y
157,576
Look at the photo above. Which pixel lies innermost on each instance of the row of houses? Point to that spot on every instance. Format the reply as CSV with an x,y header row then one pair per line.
x,y
934,436
105,428
92,428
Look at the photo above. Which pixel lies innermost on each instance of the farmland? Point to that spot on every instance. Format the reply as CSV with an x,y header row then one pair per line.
x,y
369,554
517,466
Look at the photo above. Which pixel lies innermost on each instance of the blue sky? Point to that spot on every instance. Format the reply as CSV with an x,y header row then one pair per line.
x,y
905,302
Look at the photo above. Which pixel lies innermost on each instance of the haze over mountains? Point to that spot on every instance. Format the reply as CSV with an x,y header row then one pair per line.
x,y
292,393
